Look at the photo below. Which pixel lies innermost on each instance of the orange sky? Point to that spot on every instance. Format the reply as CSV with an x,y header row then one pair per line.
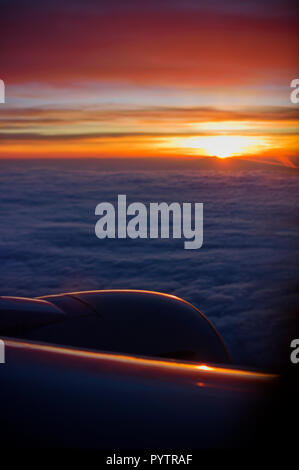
x,y
95,79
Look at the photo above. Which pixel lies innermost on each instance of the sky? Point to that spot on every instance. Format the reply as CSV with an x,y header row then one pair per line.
x,y
149,79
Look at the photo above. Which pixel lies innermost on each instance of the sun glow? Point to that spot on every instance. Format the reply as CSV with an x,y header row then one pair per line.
x,y
223,146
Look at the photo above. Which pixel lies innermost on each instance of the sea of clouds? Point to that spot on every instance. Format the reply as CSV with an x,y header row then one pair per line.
x,y
242,279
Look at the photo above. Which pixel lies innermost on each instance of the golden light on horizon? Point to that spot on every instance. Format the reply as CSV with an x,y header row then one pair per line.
x,y
274,148
223,146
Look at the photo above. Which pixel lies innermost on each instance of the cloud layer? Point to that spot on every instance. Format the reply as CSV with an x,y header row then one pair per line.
x,y
242,278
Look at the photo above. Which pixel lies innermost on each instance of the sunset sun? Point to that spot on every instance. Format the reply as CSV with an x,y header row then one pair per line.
x,y
222,146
